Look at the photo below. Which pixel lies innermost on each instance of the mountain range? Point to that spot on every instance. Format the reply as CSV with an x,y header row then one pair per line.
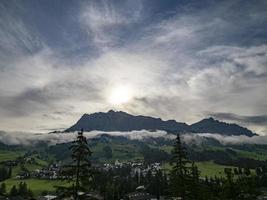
x,y
122,121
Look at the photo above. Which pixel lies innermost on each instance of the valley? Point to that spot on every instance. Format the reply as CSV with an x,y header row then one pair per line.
x,y
211,158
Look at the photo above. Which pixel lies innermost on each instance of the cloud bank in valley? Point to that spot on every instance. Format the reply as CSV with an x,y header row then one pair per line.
x,y
23,138
199,138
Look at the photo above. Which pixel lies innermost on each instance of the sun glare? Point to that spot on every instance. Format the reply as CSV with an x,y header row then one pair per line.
x,y
120,95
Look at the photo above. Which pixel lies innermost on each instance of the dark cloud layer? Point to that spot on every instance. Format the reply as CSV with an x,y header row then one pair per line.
x,y
257,120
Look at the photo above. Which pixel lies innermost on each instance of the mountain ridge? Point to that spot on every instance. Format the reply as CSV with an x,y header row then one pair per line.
x,y
123,121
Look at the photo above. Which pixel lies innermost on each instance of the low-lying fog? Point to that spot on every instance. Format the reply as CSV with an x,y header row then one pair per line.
x,y
24,138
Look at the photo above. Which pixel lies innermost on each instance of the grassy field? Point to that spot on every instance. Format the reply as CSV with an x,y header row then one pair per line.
x,y
208,168
10,155
119,152
166,148
253,155
211,169
36,185
30,167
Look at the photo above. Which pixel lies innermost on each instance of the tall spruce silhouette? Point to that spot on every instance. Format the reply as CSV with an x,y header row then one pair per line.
x,y
82,167
194,185
180,172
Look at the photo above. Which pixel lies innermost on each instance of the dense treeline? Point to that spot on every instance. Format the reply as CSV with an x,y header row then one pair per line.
x,y
5,172
117,183
227,157
154,155
16,192
185,181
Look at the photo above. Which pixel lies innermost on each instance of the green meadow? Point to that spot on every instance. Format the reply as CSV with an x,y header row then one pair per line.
x,y
36,185
10,155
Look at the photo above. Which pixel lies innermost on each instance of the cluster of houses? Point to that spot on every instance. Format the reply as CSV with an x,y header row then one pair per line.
x,y
82,195
137,167
139,194
143,170
51,172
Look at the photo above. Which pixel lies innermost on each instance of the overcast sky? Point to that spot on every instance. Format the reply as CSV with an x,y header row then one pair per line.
x,y
182,60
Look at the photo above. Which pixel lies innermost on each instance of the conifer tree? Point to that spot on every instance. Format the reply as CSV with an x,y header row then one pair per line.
x,y
82,168
194,183
3,188
30,193
22,190
179,175
9,172
229,186
13,191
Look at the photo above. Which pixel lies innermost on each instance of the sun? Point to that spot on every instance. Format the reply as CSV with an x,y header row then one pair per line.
x,y
120,95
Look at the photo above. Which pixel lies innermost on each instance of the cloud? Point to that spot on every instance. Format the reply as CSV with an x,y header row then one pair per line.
x,y
261,119
107,22
15,37
224,140
30,138
24,138
257,122
182,61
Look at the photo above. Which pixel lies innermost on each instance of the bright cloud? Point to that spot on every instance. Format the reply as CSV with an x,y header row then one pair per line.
x,y
181,60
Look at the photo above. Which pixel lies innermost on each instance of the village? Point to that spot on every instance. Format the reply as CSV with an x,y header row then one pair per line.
x,y
53,172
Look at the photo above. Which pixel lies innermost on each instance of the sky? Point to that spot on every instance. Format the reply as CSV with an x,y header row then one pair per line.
x,y
183,60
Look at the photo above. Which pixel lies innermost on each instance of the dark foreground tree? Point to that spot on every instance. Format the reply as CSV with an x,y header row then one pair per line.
x,y
3,189
194,184
80,155
180,173
80,170
13,192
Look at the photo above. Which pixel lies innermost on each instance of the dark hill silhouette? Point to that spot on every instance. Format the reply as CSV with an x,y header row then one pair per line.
x,y
211,125
122,121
